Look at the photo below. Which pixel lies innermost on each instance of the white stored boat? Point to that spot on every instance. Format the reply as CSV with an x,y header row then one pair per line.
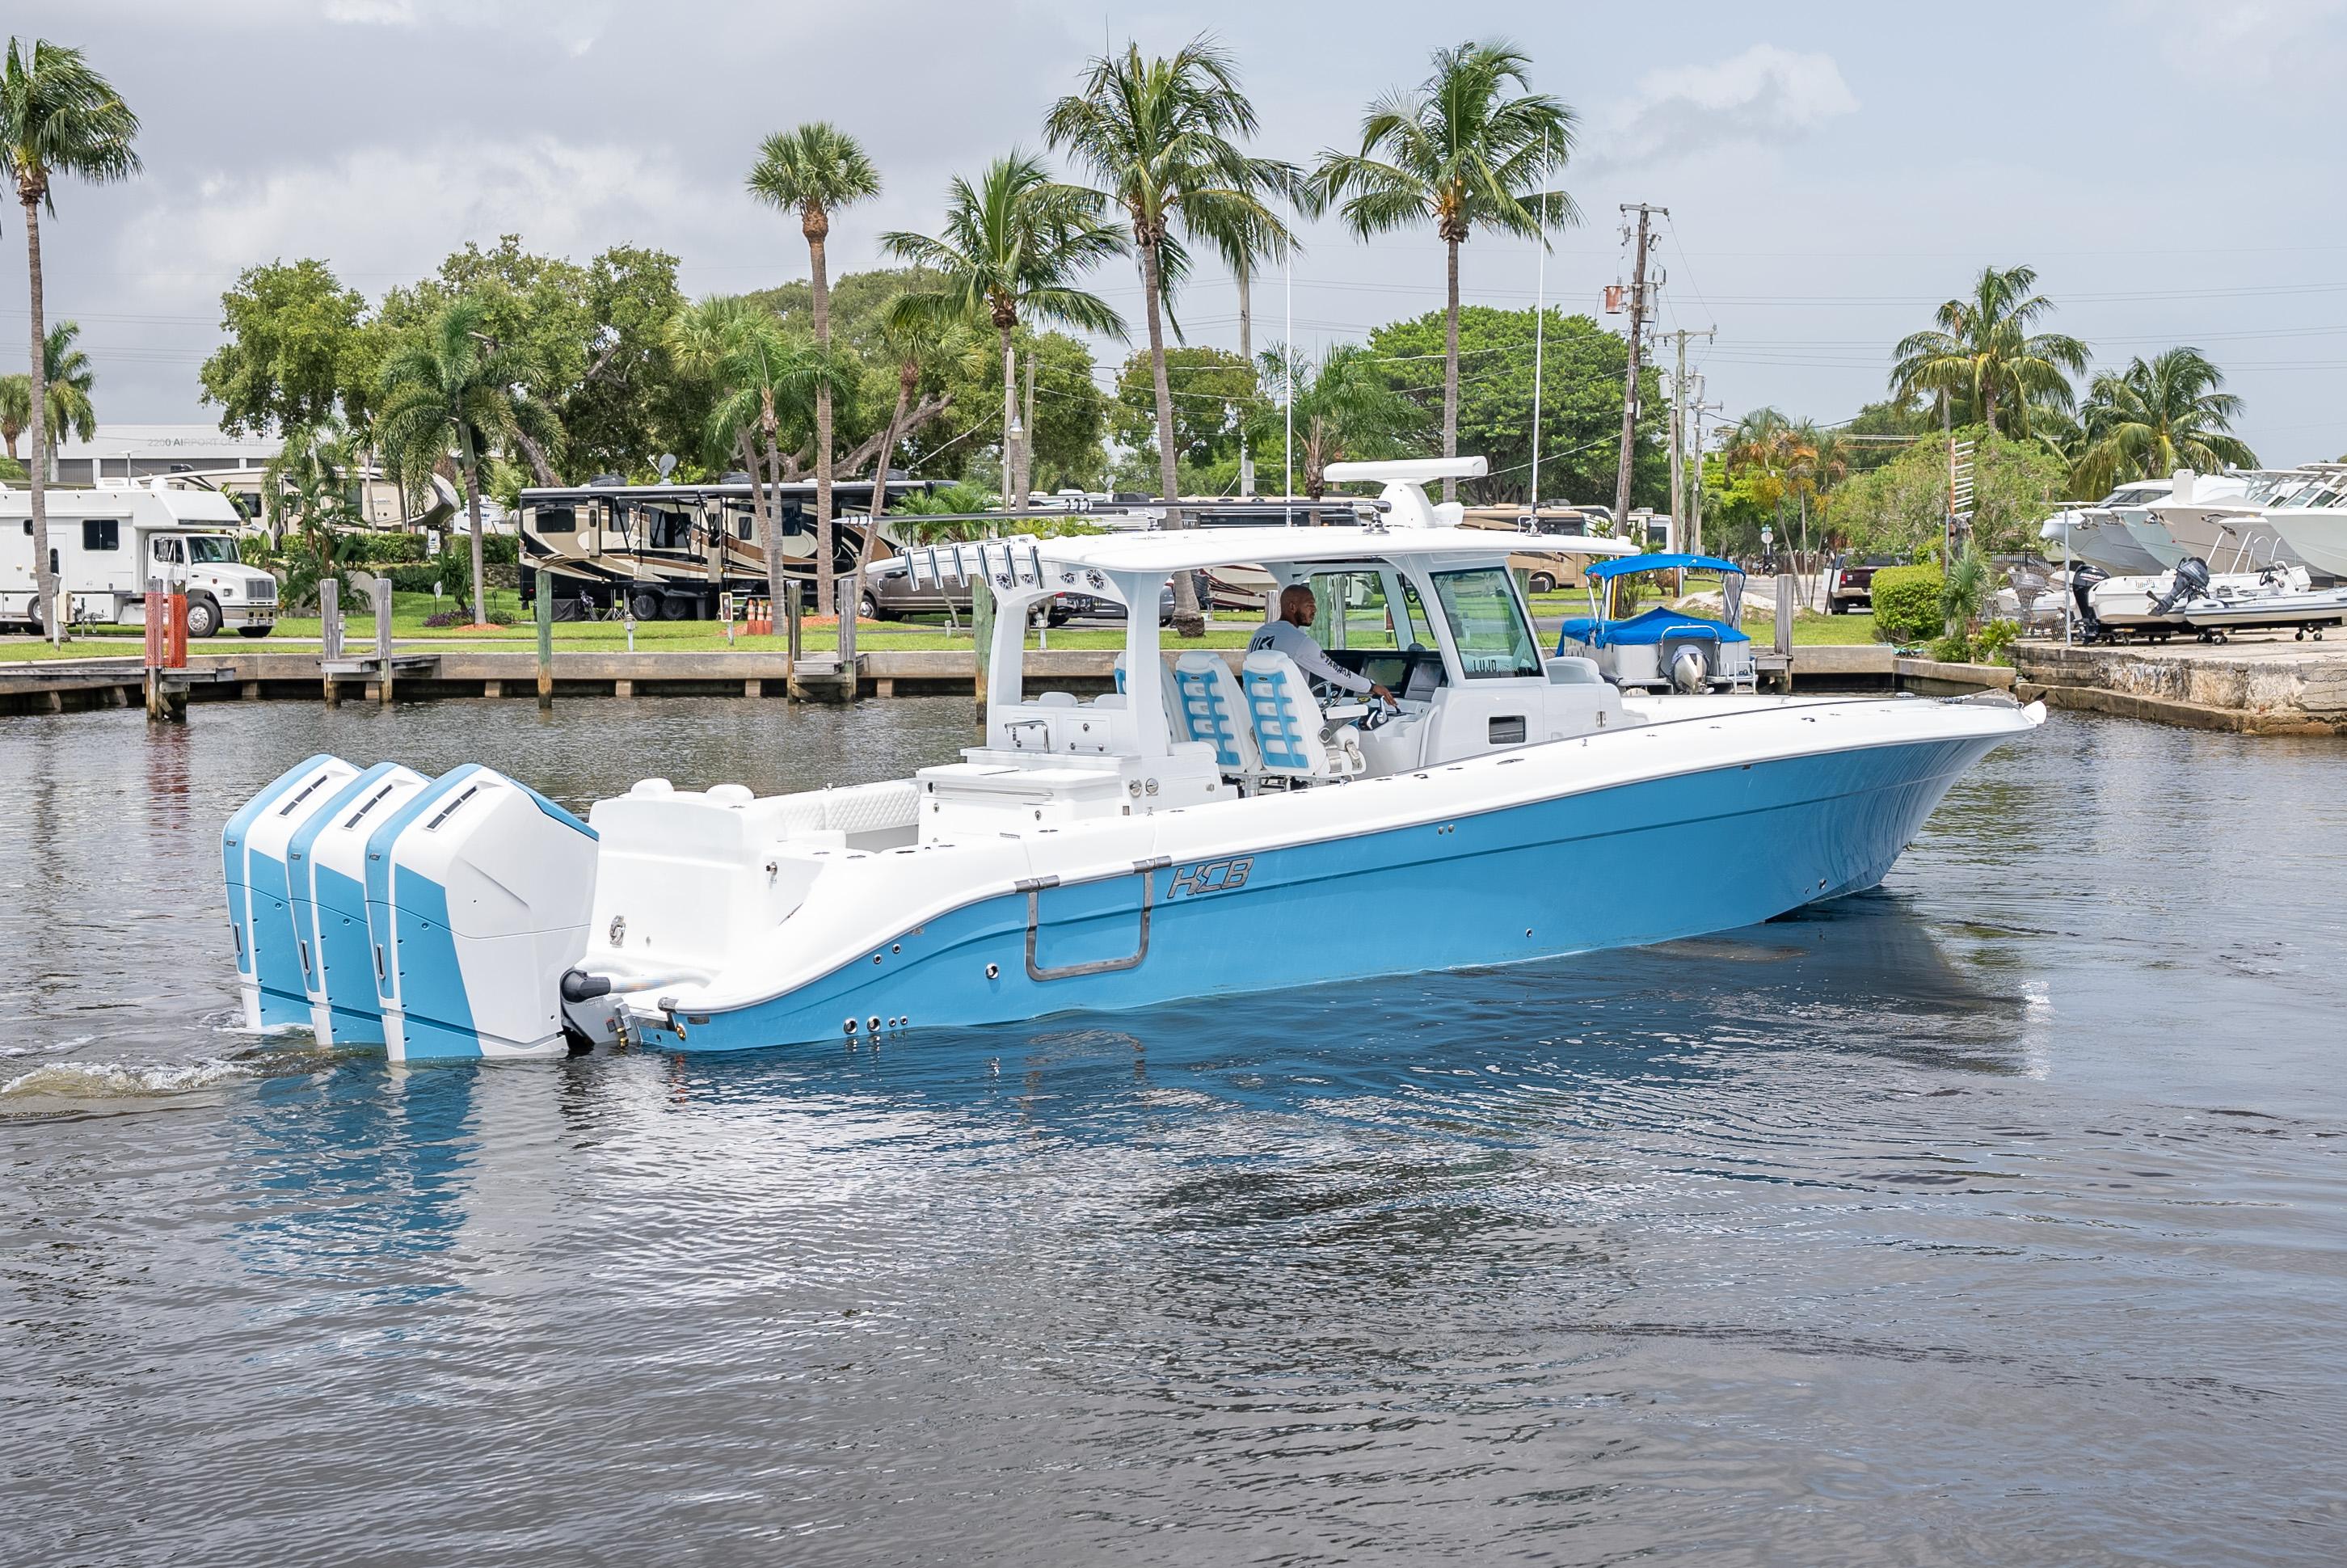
x,y
2099,535
2310,516
1211,827
2220,518
2155,606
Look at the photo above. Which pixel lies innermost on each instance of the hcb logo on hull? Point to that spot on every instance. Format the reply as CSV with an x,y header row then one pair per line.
x,y
1210,876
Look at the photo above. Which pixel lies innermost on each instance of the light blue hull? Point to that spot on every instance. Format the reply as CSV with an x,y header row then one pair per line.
x,y
1640,863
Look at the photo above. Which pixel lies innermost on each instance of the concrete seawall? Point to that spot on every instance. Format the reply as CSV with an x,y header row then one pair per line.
x,y
2282,687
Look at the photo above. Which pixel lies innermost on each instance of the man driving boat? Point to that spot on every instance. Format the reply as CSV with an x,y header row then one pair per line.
x,y
1291,634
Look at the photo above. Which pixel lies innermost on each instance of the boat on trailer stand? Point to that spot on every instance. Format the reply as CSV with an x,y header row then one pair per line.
x,y
1201,831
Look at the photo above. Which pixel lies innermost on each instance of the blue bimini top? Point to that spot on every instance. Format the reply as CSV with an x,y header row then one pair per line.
x,y
1623,565
1644,631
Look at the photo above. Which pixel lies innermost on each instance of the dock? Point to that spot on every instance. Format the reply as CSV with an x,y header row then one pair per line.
x,y
2272,686
247,674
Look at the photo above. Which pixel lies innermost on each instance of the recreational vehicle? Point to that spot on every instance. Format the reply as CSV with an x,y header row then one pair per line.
x,y
667,551
106,544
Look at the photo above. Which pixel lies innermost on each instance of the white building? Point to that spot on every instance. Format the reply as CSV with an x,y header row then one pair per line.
x,y
142,451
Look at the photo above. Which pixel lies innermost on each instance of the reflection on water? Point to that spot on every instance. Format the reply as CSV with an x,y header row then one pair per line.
x,y
1989,1217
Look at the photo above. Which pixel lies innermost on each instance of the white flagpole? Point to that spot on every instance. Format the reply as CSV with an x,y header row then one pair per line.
x,y
1287,351
1540,328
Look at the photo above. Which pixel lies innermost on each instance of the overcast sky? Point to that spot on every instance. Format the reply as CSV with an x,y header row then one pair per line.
x,y
1832,170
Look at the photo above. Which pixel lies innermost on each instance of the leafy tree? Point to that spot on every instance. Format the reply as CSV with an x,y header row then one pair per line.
x,y
1011,249
1901,508
57,116
2153,418
586,344
293,347
1344,409
1983,362
445,388
1879,431
1460,149
815,170
1581,401
1216,393
1163,135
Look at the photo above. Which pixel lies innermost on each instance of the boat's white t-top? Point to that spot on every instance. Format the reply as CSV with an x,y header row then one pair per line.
x,y
1429,611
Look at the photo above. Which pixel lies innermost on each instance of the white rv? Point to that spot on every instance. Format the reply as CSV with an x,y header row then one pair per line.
x,y
107,543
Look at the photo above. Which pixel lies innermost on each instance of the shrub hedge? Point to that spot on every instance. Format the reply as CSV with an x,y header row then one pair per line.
x,y
1907,604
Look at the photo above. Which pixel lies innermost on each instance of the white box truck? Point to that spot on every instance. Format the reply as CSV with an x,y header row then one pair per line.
x,y
107,543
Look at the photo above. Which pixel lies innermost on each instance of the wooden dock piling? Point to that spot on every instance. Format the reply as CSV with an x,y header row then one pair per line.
x,y
543,602
379,592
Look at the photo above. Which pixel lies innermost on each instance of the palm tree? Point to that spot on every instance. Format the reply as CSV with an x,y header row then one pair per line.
x,y
1163,135
818,169
1457,151
1344,409
1243,249
2151,419
917,343
1013,246
752,373
68,379
765,375
57,116
313,477
15,409
446,386
1983,355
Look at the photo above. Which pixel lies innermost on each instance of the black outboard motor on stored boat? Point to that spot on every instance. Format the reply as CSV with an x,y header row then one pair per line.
x,y
2190,581
2082,581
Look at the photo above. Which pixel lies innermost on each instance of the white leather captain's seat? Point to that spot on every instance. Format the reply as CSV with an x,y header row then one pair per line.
x,y
1207,706
1292,736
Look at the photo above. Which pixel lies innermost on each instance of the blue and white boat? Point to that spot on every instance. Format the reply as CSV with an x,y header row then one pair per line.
x,y
1663,648
1210,827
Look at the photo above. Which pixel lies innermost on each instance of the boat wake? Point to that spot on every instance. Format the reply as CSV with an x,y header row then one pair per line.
x,y
46,1086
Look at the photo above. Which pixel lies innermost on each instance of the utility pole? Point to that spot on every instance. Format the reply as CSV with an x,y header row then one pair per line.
x,y
1638,304
1695,508
1679,438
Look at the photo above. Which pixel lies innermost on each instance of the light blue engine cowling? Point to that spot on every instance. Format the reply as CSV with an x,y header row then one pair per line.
x,y
433,917
477,893
271,960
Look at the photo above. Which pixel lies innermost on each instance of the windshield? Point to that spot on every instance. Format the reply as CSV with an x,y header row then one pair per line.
x,y
211,549
1488,623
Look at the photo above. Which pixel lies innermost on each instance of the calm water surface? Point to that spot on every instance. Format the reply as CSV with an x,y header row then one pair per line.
x,y
1993,1218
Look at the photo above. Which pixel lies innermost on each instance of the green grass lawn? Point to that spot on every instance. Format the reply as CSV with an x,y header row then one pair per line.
x,y
409,611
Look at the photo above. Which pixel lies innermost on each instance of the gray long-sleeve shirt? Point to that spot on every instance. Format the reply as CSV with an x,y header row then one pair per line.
x,y
1286,637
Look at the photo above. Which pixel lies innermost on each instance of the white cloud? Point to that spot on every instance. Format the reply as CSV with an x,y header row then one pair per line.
x,y
358,211
2241,37
1765,95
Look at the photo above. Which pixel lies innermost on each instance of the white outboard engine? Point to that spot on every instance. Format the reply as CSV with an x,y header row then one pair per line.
x,y
478,894
271,960
1689,674
327,870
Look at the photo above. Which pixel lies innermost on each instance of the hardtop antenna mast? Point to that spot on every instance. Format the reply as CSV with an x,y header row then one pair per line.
x,y
1540,325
